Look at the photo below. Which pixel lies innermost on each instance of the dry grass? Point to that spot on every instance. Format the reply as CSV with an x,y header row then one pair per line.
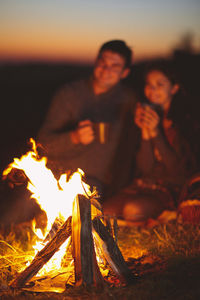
x,y
166,240
15,252
165,258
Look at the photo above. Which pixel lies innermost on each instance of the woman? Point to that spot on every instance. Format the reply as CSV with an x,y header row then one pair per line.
x,y
164,159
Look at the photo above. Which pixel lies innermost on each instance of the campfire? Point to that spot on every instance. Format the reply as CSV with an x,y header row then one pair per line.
x,y
76,227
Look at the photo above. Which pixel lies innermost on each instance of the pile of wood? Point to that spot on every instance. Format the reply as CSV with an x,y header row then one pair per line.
x,y
87,232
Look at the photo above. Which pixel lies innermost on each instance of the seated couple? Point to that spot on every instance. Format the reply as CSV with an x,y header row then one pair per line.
x,y
145,152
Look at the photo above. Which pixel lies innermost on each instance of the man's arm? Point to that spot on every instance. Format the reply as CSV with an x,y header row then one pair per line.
x,y
61,118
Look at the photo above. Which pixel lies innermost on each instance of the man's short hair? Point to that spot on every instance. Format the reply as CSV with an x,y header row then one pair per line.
x,y
120,47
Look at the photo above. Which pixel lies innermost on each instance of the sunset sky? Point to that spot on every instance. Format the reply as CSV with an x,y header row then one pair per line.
x,y
74,30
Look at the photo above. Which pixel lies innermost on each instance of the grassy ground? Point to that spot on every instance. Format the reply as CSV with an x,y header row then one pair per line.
x,y
166,260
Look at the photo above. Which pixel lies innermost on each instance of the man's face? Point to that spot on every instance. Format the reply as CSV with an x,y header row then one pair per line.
x,y
109,69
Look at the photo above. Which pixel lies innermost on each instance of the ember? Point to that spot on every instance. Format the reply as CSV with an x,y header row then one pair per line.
x,y
72,211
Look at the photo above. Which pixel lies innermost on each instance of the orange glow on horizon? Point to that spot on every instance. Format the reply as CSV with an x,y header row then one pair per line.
x,y
45,52
46,47
79,54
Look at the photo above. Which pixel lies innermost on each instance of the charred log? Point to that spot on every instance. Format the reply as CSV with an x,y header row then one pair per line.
x,y
112,252
55,227
43,256
86,269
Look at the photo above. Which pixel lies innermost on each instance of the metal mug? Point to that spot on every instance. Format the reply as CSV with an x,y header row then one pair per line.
x,y
101,130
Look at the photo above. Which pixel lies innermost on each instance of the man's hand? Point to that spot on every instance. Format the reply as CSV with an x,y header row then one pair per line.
x,y
84,133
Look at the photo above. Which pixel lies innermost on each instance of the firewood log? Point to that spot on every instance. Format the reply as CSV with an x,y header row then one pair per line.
x,y
112,252
55,227
43,256
86,269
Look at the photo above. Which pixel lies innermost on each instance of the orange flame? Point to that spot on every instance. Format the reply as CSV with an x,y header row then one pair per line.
x,y
54,197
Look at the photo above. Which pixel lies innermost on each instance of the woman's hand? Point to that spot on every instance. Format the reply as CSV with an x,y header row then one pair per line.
x,y
147,120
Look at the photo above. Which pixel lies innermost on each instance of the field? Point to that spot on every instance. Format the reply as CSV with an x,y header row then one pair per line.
x,y
165,258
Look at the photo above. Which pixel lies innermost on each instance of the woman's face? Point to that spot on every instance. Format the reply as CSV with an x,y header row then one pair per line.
x,y
159,89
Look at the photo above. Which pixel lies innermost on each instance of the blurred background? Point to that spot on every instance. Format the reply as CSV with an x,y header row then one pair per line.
x,y
44,44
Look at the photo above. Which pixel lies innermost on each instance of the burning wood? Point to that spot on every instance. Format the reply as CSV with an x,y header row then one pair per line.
x,y
55,227
86,268
89,236
43,256
112,252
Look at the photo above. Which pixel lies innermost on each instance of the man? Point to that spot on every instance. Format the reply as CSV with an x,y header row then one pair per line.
x,y
68,134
